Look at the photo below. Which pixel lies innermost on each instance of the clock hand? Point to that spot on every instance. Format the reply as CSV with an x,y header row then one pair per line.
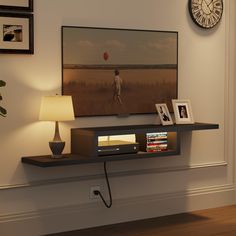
x,y
210,3
207,5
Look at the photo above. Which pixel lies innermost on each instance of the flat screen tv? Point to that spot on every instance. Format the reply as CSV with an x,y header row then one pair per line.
x,y
119,71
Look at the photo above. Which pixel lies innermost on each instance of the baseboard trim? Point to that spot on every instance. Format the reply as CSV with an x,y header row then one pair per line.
x,y
121,203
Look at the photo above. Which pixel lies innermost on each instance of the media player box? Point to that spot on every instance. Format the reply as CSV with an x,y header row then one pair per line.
x,y
84,141
114,147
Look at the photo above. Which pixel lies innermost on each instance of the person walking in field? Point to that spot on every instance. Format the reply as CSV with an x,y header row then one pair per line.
x,y
117,87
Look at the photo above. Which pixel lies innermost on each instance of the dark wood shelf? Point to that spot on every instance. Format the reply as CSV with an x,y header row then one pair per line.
x,y
75,159
118,130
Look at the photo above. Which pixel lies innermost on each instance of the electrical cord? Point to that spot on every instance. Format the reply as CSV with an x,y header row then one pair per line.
x,y
97,192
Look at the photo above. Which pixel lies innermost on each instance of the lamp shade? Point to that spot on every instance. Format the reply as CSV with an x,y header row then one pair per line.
x,y
56,108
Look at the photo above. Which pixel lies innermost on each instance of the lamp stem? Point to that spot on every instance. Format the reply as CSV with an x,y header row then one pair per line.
x,y
57,137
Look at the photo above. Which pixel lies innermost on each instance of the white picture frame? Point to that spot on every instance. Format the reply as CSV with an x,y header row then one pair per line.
x,y
164,114
182,111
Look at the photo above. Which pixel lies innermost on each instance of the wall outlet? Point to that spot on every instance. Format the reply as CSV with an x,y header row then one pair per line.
x,y
92,189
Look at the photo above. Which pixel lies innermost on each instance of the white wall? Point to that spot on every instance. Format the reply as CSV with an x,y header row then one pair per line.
x,y
201,177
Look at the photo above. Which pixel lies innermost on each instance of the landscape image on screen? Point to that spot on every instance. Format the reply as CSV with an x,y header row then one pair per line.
x,y
119,71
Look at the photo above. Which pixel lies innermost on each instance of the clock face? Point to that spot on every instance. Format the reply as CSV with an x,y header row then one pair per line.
x,y
206,13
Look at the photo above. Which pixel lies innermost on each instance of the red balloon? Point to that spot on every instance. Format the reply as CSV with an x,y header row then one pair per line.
x,y
105,56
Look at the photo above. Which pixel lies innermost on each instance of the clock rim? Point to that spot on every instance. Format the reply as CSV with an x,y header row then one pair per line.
x,y
196,22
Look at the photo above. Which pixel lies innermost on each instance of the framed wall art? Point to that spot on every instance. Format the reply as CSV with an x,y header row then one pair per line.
x,y
118,71
16,33
164,114
183,111
16,5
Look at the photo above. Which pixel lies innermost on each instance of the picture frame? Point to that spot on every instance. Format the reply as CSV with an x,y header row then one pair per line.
x,y
182,111
16,5
17,33
123,71
164,114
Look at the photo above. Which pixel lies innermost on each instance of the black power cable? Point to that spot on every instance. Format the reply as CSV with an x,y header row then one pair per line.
x,y
97,192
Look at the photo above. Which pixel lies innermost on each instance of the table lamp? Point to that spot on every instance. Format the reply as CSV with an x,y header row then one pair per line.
x,y
56,108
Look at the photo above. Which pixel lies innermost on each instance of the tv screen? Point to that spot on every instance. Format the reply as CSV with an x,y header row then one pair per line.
x,y
119,71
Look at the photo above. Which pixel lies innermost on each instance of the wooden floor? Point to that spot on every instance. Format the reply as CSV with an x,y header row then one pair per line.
x,y
217,222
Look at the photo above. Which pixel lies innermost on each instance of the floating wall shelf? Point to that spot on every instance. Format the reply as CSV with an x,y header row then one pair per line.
x,y
84,144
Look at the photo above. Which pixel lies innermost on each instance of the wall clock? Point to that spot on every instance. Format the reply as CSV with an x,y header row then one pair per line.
x,y
206,13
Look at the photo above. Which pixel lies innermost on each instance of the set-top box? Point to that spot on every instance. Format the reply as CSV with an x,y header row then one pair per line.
x,y
85,142
113,147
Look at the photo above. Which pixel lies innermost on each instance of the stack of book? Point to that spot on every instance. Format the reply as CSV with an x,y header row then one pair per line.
x,y
156,142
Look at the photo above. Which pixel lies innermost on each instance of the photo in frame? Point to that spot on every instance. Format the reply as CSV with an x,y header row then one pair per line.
x,y
182,111
110,71
16,33
164,114
16,5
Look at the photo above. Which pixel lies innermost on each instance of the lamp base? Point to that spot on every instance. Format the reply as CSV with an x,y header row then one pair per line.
x,y
57,148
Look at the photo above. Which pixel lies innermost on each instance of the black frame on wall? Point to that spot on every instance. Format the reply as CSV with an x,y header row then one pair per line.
x,y
25,22
92,55
16,7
